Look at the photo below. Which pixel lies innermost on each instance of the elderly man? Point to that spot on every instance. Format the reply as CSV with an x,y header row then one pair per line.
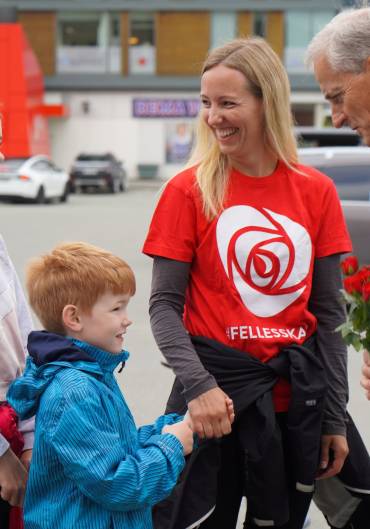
x,y
340,55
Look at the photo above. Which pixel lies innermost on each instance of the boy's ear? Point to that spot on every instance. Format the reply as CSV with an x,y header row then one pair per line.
x,y
71,318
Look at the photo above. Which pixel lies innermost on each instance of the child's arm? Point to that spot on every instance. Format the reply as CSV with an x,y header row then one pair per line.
x,y
145,432
104,466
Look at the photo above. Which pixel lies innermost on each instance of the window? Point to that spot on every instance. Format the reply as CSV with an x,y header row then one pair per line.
x,y
88,43
223,28
41,165
300,28
81,30
142,58
94,157
259,24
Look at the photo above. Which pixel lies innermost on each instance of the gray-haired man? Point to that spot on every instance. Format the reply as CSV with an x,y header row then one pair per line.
x,y
340,55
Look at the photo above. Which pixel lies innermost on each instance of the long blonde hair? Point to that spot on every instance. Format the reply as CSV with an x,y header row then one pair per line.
x,y
268,80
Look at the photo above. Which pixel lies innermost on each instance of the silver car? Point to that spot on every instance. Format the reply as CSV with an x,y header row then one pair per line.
x,y
349,167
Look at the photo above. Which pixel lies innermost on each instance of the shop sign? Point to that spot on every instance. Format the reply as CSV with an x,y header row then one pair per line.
x,y
165,108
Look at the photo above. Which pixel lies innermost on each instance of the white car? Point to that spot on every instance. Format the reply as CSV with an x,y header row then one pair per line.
x,y
36,179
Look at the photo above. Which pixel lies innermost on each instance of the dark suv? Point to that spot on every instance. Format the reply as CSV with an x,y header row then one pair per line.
x,y
98,171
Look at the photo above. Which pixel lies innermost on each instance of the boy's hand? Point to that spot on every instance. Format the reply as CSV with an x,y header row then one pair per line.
x,y
13,478
184,434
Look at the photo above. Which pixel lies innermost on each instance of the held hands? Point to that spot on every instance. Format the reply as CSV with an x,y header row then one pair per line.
x,y
365,380
13,478
334,450
182,430
211,414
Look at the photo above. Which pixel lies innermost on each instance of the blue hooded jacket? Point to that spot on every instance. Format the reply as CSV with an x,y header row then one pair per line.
x,y
91,467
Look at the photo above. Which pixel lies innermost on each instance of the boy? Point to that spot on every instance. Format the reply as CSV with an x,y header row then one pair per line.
x,y
91,467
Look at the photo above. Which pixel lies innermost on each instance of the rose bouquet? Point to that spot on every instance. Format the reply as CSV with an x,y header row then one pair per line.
x,y
356,329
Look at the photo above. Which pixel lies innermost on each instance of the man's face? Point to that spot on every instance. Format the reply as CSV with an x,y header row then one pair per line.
x,y
348,95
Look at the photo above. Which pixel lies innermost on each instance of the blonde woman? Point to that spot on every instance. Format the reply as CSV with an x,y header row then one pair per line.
x,y
246,245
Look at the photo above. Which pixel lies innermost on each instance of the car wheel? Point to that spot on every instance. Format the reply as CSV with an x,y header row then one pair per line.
x,y
114,186
40,197
64,196
122,186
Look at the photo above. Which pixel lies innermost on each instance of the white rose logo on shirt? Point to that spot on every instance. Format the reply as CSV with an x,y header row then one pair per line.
x,y
266,255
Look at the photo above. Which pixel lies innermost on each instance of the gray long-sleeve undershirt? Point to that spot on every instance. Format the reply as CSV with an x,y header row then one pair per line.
x,y
169,284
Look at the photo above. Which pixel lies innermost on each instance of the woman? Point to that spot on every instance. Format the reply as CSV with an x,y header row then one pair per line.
x,y
246,246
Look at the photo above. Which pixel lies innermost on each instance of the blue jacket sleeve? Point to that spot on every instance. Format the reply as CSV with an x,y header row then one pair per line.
x,y
109,468
145,432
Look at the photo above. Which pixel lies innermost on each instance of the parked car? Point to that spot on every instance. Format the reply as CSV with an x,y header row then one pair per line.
x,y
35,179
98,171
326,137
349,167
357,216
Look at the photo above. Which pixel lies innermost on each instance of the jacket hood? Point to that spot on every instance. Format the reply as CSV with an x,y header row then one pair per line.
x,y
50,353
46,347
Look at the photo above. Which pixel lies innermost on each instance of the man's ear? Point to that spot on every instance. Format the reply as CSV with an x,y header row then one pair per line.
x,y
367,65
71,318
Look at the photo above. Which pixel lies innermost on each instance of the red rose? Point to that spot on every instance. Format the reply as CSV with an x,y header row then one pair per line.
x,y
348,285
355,282
366,292
349,265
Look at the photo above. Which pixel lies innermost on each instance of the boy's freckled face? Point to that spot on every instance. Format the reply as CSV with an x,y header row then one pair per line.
x,y
105,326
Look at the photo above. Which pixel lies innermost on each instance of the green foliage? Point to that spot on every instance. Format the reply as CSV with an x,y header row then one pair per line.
x,y
356,329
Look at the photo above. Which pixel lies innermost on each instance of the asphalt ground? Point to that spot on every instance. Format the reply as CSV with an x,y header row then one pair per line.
x,y
119,224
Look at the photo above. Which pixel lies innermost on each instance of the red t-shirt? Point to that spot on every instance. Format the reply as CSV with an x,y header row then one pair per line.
x,y
251,272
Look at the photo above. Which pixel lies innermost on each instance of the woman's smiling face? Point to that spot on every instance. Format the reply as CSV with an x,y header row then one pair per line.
x,y
233,113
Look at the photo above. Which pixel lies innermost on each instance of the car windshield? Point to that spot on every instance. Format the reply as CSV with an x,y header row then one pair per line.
x,y
93,158
11,164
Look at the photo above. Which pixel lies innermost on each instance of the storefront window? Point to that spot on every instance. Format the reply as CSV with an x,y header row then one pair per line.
x,y
88,43
142,57
259,23
223,28
301,26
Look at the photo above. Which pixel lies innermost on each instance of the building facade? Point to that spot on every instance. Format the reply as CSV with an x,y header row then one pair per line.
x,y
127,71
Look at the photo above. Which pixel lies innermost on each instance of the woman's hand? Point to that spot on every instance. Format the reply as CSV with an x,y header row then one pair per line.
x,y
13,479
26,458
211,414
334,450
365,380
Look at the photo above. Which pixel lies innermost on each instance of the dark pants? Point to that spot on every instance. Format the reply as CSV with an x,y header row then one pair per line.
x,y
230,486
4,514
230,489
